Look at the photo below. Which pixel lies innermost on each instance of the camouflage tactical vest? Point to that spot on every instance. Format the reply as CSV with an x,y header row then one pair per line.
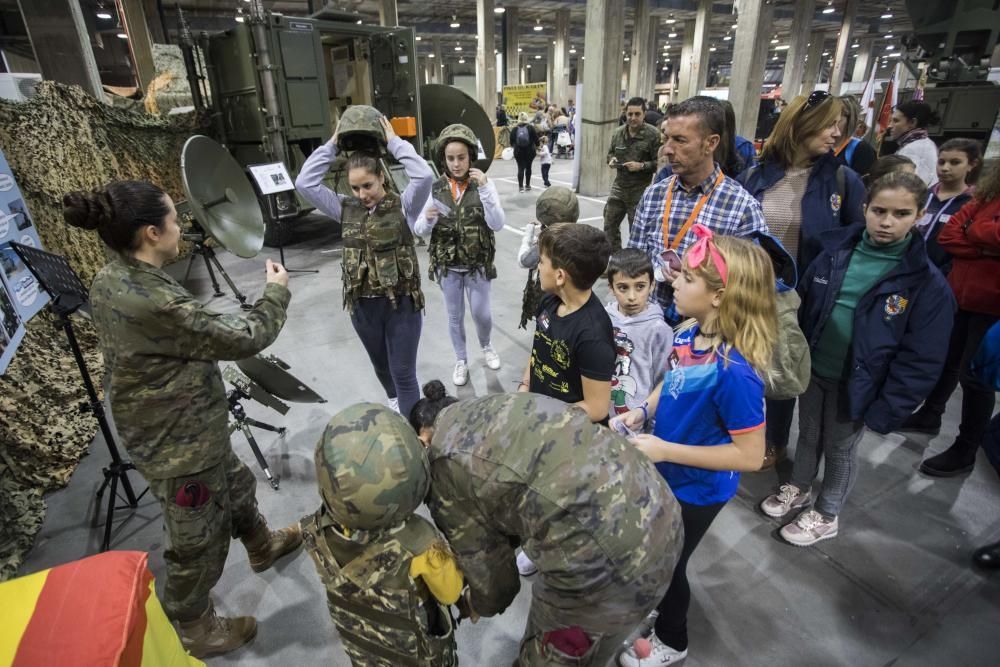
x,y
384,617
379,256
463,239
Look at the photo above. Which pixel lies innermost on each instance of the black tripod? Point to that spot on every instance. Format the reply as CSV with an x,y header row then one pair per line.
x,y
69,295
198,237
274,218
243,424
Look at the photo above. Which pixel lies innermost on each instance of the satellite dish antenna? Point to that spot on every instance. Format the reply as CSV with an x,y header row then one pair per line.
x,y
221,198
441,106
223,205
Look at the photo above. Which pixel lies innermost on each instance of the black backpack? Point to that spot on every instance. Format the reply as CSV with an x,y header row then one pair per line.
x,y
522,139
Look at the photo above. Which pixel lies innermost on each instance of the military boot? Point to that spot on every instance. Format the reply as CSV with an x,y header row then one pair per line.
x,y
264,547
211,635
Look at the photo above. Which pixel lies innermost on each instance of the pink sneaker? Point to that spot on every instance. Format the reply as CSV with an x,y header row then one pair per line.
x,y
809,528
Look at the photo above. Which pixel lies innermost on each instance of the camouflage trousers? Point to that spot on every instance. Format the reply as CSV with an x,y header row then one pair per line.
x,y
620,203
535,653
203,512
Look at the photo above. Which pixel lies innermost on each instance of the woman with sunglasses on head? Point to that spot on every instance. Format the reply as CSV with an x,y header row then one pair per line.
x,y
709,408
804,190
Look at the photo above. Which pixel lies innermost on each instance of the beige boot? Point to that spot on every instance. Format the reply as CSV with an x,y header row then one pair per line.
x,y
265,547
214,635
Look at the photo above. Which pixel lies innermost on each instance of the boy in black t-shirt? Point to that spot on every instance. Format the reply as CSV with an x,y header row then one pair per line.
x,y
573,352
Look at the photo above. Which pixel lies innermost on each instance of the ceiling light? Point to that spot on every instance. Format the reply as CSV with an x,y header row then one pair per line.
x,y
672,35
855,45
458,48
711,48
418,38
888,35
553,42
733,27
774,58
122,35
626,58
829,8
104,14
774,41
239,19
461,61
359,21
538,26
538,57
783,47
726,38
499,10
665,68
572,51
671,19
528,66
826,53
519,49
897,54
454,21
430,55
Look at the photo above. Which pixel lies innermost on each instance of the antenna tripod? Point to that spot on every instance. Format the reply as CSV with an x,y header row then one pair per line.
x,y
199,238
243,424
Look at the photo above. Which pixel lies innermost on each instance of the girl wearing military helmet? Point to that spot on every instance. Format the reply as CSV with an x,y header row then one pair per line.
x,y
461,217
160,350
379,263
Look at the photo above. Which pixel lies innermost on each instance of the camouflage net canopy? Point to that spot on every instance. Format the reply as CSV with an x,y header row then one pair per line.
x,y
60,140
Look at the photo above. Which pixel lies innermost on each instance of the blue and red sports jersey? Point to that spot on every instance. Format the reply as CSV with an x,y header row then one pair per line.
x,y
704,402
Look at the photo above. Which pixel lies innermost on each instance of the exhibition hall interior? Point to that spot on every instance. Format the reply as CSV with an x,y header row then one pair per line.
x,y
503,332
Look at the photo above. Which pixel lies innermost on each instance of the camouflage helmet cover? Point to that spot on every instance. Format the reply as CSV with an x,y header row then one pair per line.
x,y
360,119
557,204
372,470
456,132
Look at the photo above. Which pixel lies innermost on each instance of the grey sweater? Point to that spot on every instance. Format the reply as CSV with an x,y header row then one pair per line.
x,y
642,344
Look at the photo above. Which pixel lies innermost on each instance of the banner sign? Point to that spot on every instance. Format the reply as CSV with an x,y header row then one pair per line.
x,y
527,98
16,225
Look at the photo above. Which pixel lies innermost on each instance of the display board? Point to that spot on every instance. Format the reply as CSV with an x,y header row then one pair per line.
x,y
520,98
16,224
11,325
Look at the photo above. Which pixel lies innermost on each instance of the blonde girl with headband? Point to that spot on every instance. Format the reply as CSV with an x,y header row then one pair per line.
x,y
709,408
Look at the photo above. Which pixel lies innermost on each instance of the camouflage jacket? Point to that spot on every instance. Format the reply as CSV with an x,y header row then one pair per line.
x,y
379,255
385,618
589,509
641,148
160,350
462,239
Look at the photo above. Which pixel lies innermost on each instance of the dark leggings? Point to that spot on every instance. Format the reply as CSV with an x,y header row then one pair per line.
x,y
524,161
671,624
391,337
977,399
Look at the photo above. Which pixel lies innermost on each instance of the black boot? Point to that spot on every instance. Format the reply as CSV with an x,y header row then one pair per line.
x,y
988,556
959,459
923,421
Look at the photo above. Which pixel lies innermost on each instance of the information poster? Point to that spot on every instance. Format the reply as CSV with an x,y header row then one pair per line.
x,y
521,98
16,224
11,325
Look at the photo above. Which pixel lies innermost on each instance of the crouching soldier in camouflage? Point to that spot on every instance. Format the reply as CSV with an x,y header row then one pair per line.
x,y
462,216
160,350
587,507
388,573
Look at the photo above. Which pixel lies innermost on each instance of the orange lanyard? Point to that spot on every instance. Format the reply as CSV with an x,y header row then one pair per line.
x,y
457,190
840,149
691,218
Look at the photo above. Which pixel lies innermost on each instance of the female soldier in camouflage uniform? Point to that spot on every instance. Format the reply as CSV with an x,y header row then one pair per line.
x,y
160,350
379,265
461,218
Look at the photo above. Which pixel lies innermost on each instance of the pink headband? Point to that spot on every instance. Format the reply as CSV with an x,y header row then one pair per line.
x,y
705,246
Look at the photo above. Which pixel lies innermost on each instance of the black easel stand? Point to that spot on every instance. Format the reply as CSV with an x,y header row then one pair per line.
x,y
243,424
281,246
68,295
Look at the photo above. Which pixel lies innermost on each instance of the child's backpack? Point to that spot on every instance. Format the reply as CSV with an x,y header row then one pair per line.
x,y
522,139
532,298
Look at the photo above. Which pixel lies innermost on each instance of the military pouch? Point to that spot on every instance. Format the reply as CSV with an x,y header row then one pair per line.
x,y
567,646
191,530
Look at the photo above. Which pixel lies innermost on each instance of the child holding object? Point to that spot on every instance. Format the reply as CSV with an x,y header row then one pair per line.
x,y
709,407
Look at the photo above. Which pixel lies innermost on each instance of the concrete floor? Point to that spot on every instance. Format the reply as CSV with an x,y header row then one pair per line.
x,y
895,588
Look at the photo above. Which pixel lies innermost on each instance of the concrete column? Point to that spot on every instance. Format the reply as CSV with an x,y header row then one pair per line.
x,y
513,58
843,47
139,40
814,64
156,30
699,47
686,61
791,80
61,43
486,60
559,93
642,55
388,13
438,72
864,61
748,65
599,107
550,72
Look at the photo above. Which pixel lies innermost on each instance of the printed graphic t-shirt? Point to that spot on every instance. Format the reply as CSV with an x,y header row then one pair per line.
x,y
565,349
705,402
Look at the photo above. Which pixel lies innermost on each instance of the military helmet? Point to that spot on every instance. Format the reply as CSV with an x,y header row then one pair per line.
x,y
360,127
372,470
457,132
557,204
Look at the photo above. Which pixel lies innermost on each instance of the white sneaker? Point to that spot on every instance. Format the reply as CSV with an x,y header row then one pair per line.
x,y
788,498
461,374
660,654
394,404
492,358
525,567
809,528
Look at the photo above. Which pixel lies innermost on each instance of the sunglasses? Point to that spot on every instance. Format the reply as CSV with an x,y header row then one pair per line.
x,y
816,98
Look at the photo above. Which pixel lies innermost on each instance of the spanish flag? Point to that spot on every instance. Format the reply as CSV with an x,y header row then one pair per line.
x,y
100,611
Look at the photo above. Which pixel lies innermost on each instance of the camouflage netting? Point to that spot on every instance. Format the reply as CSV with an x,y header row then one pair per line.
x,y
61,140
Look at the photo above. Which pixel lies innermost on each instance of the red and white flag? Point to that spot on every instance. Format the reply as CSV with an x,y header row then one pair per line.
x,y
889,102
868,99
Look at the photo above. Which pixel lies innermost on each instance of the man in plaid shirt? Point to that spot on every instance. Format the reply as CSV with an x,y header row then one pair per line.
x,y
698,192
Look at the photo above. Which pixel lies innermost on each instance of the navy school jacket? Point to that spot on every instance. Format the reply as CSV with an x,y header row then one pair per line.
x,y
901,327
829,201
